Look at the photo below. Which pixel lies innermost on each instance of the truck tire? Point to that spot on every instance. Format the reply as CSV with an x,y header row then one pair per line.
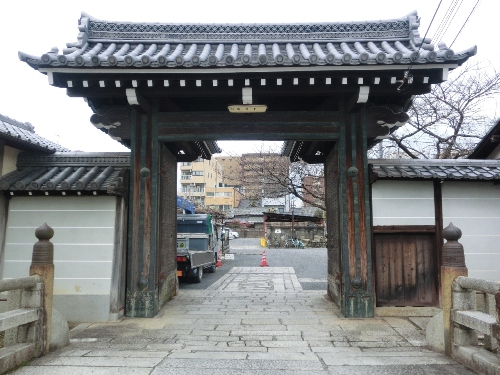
x,y
199,275
213,267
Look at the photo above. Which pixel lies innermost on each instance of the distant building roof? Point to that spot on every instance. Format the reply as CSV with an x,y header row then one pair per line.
x,y
66,172
21,135
160,45
271,217
258,211
440,169
488,144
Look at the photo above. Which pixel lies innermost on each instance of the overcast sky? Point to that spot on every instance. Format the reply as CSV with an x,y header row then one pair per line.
x,y
35,27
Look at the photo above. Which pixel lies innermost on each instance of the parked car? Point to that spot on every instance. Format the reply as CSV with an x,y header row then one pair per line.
x,y
233,235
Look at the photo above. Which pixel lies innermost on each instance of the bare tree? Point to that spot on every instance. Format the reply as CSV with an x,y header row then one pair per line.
x,y
277,177
307,183
218,215
448,122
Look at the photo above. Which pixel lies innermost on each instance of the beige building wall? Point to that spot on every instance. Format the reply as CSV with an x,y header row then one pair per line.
x,y
223,198
9,159
202,183
196,177
230,167
255,167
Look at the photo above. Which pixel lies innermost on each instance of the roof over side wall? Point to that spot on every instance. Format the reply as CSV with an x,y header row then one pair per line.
x,y
488,144
437,169
69,173
21,135
160,45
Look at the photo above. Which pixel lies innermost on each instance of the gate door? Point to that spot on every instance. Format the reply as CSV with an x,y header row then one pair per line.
x,y
405,269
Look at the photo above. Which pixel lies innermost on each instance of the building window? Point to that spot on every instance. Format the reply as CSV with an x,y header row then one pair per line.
x,y
197,173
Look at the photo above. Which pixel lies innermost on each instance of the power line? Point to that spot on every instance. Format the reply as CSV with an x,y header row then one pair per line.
x,y
448,18
443,21
432,20
407,76
470,14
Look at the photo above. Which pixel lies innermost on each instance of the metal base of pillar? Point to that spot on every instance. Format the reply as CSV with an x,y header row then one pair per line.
x,y
358,304
141,304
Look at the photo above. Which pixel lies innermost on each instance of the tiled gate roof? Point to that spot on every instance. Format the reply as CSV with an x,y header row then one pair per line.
x,y
159,45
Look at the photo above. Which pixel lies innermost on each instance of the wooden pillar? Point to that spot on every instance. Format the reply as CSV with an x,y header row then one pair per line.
x,y
2,151
354,207
167,234
332,184
142,297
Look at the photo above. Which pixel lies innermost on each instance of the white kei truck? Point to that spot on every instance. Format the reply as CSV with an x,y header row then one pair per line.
x,y
198,244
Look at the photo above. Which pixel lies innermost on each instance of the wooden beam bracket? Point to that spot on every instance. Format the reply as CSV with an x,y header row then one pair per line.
x,y
359,99
136,99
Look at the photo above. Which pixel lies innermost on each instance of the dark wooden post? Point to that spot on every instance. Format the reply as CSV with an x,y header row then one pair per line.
x,y
42,264
142,292
452,266
335,286
355,227
151,261
167,232
497,305
2,148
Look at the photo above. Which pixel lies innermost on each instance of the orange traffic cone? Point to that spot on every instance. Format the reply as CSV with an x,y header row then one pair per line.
x,y
219,259
263,263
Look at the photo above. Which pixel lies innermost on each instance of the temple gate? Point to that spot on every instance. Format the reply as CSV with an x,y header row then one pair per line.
x,y
169,91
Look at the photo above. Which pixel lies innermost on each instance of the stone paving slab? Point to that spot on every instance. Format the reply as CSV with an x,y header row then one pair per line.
x,y
255,320
177,371
76,370
400,370
245,365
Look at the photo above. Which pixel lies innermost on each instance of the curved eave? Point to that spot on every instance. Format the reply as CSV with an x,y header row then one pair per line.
x,y
29,146
257,61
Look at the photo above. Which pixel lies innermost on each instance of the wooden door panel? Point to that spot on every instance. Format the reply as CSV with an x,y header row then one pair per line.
x,y
405,269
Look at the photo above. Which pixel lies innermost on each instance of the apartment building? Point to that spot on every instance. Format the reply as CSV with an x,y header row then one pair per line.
x,y
260,172
202,183
230,167
222,198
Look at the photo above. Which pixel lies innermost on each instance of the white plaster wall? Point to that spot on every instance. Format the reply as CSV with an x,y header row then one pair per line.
x,y
83,248
474,207
403,203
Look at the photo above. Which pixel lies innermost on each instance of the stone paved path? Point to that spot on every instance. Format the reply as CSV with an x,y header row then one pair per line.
x,y
252,321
